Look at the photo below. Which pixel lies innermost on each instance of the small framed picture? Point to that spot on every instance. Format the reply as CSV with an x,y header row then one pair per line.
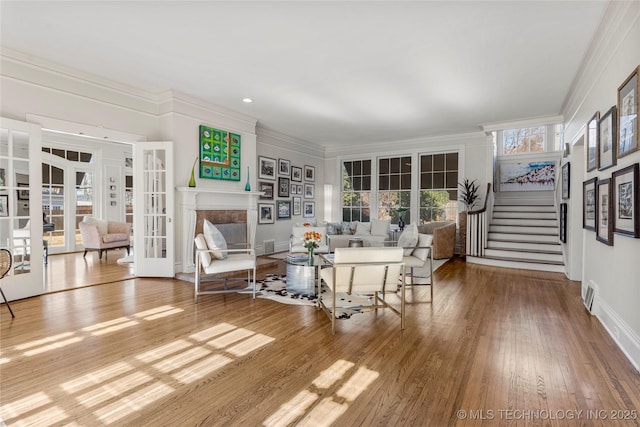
x,y
294,189
607,152
604,229
284,209
284,167
566,180
628,106
309,210
309,173
296,174
23,194
265,213
589,204
626,197
297,205
593,138
299,189
308,191
283,187
128,162
3,179
267,189
267,168
563,222
4,205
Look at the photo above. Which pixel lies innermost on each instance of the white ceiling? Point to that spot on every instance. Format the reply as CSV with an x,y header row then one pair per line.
x,y
331,73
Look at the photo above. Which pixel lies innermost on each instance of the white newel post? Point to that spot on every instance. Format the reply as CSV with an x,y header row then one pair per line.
x,y
195,199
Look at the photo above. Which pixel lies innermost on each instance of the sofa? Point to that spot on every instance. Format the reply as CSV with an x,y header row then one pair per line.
x,y
444,237
374,233
100,235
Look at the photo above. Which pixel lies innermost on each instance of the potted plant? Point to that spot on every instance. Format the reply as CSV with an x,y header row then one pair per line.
x,y
468,194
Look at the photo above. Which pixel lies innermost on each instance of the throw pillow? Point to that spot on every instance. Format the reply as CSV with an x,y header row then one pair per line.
x,y
424,240
205,257
380,227
408,239
215,240
346,228
332,227
363,228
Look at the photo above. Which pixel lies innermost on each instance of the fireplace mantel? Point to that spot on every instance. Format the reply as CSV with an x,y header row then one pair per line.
x,y
192,199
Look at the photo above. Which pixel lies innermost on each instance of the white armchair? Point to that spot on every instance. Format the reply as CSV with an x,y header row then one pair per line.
x,y
207,262
363,271
417,257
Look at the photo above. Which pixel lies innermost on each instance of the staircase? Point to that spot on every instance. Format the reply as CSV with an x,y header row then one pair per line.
x,y
523,233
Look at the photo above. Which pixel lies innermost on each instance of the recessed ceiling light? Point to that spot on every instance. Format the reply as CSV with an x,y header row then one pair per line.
x,y
247,100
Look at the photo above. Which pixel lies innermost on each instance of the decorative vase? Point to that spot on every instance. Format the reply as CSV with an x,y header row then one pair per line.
x,y
247,186
401,224
310,262
192,181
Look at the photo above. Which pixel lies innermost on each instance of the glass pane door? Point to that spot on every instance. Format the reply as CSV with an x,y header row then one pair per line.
x,y
53,206
84,199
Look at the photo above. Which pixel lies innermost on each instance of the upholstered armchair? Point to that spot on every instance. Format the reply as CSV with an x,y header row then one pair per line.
x,y
370,271
99,235
444,237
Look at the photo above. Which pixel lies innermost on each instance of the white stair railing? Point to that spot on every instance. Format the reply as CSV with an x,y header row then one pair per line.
x,y
478,226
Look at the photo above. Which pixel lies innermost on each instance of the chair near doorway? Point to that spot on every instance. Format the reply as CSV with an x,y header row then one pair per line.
x,y
6,261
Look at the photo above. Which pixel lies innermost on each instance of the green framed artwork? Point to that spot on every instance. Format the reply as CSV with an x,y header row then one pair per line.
x,y
219,154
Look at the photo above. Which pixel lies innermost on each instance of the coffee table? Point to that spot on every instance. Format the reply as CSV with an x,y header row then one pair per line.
x,y
301,277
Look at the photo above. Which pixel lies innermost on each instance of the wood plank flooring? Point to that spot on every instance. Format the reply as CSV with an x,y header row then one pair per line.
x,y
507,347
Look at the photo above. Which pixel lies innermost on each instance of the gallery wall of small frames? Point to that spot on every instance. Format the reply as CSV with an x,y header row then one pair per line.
x,y
611,203
290,187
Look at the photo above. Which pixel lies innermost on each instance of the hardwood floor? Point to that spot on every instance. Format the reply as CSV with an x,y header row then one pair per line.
x,y
495,347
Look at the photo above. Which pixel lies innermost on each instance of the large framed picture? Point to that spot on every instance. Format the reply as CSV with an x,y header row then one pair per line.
x,y
296,174
628,106
4,205
265,213
284,209
563,222
626,219
267,168
589,204
219,154
267,189
606,151
604,228
309,209
593,137
566,180
283,186
284,167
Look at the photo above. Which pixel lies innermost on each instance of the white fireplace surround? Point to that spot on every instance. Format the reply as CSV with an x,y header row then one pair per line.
x,y
192,199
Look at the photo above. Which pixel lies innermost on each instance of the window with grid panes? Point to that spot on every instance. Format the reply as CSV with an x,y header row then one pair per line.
x,y
356,190
394,188
53,203
524,140
438,187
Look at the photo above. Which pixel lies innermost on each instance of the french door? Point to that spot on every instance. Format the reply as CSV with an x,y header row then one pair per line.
x,y
21,207
153,233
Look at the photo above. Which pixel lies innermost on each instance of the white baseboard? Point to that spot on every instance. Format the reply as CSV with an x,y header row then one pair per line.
x,y
625,337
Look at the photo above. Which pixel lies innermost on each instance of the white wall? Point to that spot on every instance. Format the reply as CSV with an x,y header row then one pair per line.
x,y
32,87
300,153
613,270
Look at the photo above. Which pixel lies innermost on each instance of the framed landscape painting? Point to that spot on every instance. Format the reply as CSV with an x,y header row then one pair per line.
x,y
531,176
625,201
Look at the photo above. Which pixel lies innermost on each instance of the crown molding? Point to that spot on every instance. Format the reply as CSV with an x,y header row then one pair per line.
x,y
408,144
618,20
515,124
270,137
